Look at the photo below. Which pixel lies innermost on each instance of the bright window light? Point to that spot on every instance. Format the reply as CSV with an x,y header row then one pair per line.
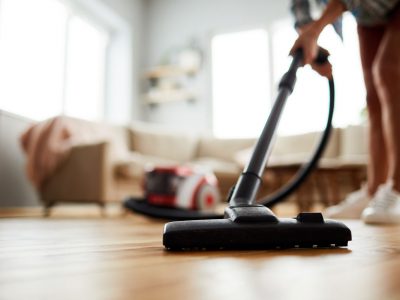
x,y
51,61
240,78
32,43
306,109
85,70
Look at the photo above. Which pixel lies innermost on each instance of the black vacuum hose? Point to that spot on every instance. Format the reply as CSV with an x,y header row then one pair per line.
x,y
306,169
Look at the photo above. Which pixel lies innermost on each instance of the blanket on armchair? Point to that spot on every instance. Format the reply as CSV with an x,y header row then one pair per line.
x,y
48,143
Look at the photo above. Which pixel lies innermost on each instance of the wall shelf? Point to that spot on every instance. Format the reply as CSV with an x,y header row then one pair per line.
x,y
166,96
169,83
168,71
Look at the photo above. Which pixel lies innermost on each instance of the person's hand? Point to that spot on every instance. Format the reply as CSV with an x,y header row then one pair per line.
x,y
307,40
323,69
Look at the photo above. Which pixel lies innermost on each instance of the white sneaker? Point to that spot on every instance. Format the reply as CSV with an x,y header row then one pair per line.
x,y
351,207
384,207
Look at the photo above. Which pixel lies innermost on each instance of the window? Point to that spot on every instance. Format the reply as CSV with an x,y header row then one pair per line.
x,y
306,109
240,78
85,70
51,61
242,68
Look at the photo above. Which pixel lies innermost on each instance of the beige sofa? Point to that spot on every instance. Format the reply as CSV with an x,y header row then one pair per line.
x,y
341,170
112,170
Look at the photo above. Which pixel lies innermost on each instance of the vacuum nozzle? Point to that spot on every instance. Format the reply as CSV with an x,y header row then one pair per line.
x,y
250,228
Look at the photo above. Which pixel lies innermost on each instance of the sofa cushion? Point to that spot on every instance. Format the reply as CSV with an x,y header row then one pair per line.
x,y
305,143
216,165
118,138
224,149
354,142
294,149
154,140
134,165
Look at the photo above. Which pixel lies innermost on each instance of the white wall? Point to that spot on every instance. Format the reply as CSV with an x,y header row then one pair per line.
x,y
172,23
15,189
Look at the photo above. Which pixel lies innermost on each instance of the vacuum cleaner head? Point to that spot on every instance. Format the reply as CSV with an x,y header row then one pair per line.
x,y
256,227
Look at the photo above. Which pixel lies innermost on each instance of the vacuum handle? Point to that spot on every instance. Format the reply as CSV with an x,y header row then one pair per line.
x,y
321,58
246,188
289,78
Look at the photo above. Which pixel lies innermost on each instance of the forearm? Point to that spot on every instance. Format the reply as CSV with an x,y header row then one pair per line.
x,y
333,10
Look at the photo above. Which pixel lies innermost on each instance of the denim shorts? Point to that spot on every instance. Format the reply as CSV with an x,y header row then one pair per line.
x,y
372,12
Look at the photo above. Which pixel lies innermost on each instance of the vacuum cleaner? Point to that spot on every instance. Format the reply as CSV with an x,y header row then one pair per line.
x,y
145,206
180,187
248,223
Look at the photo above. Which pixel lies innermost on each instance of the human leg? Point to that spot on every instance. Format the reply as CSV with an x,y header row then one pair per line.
x,y
386,76
385,205
370,39
355,203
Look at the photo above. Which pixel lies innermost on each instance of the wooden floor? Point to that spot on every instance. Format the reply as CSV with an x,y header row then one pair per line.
x,y
123,258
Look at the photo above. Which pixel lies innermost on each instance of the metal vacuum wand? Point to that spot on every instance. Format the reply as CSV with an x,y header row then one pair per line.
x,y
250,180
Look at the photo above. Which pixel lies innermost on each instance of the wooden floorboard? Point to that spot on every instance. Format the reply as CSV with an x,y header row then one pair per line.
x,y
123,258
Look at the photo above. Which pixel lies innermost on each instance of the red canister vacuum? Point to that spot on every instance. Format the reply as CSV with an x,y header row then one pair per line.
x,y
178,193
181,187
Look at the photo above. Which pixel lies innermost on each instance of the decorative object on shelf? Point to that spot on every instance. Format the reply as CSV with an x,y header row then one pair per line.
x,y
173,79
190,60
